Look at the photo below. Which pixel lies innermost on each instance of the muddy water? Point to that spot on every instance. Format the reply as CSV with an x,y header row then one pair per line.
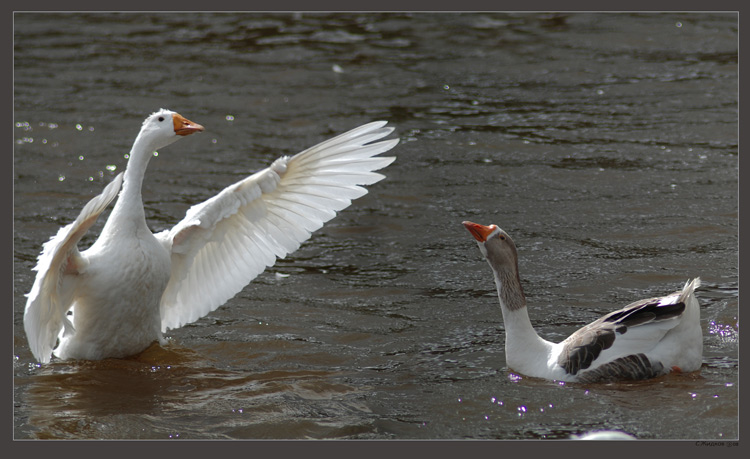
x,y
606,144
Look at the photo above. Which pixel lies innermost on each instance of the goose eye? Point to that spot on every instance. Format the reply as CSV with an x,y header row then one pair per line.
x,y
161,118
502,238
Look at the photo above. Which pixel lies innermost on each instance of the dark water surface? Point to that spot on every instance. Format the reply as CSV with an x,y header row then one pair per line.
x,y
605,144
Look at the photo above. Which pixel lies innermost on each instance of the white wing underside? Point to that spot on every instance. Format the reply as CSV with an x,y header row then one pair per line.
x,y
52,294
225,242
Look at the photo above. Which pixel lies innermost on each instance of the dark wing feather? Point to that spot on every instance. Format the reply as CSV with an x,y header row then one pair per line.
x,y
585,345
635,366
644,311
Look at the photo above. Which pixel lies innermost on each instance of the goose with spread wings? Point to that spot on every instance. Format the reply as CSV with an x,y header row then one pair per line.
x,y
117,297
645,339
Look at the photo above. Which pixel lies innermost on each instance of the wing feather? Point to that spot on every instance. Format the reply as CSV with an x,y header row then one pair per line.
x,y
638,328
225,242
51,296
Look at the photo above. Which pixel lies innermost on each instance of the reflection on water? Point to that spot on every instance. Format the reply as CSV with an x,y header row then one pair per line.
x,y
605,143
144,391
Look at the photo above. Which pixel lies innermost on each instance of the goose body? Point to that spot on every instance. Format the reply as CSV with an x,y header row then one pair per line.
x,y
119,296
645,339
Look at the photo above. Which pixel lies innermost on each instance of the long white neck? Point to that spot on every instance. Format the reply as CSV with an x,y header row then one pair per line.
x,y
140,155
128,214
521,340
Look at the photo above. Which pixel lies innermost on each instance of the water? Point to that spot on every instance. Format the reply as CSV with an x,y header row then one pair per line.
x,y
605,144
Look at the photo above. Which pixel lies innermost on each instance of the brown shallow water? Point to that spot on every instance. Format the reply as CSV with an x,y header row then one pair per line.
x,y
606,144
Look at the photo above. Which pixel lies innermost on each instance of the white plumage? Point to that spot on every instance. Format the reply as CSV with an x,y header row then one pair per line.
x,y
130,286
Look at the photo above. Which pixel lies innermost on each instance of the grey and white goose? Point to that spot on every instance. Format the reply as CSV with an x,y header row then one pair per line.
x,y
645,339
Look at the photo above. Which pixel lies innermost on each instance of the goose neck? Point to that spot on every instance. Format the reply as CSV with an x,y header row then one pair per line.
x,y
513,305
128,211
139,157
509,289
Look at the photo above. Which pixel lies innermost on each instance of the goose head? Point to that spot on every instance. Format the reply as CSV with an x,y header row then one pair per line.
x,y
495,245
164,127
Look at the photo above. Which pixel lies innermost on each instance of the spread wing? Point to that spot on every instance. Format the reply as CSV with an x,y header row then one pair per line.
x,y
225,242
51,296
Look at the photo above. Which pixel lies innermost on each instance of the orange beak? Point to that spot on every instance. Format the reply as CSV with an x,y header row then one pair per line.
x,y
183,126
480,232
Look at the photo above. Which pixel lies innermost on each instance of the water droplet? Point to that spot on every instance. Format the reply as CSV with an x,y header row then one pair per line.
x,y
446,87
678,25
81,158
229,118
61,178
111,167
79,127
600,91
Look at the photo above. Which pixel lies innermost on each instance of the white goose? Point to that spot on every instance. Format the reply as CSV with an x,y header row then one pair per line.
x,y
645,339
131,285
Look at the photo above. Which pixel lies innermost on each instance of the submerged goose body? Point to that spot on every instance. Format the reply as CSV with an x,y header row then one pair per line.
x,y
118,296
648,338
